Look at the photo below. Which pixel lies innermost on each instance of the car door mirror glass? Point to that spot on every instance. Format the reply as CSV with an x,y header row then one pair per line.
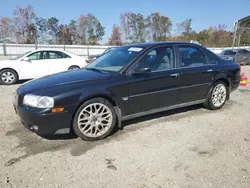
x,y
26,59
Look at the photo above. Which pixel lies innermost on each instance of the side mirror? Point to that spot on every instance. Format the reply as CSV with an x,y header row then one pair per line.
x,y
142,71
26,59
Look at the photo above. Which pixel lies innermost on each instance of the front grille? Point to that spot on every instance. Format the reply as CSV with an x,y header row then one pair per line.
x,y
20,100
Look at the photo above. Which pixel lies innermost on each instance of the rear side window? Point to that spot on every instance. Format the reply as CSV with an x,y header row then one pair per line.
x,y
56,55
212,59
191,56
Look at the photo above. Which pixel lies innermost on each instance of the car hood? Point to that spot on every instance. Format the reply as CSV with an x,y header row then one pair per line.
x,y
67,77
7,62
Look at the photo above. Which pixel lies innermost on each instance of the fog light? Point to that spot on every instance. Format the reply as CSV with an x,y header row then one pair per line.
x,y
56,110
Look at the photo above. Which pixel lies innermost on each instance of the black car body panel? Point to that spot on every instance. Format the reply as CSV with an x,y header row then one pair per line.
x,y
132,94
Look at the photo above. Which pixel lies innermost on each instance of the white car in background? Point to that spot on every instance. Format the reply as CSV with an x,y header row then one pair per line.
x,y
38,63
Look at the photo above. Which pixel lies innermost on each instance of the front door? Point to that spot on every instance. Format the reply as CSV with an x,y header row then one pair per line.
x,y
158,88
35,67
197,73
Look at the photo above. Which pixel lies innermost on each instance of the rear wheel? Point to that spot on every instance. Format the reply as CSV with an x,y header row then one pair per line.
x,y
94,120
73,67
8,77
217,97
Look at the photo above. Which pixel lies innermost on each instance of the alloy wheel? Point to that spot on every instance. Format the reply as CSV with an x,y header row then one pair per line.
x,y
219,95
95,120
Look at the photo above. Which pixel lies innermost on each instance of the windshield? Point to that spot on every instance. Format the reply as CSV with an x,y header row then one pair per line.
x,y
19,56
107,50
116,59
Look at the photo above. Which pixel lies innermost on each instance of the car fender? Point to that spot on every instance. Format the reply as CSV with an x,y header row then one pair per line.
x,y
8,64
222,76
108,96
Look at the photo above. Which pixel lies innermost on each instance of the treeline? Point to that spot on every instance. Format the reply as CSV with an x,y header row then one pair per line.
x,y
25,27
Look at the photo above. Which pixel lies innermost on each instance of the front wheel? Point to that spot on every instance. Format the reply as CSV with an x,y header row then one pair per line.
x,y
94,120
217,97
8,77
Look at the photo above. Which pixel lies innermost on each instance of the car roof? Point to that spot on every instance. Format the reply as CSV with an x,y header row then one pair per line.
x,y
151,44
47,49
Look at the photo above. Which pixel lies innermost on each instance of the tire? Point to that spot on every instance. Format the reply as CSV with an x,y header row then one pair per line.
x,y
210,103
248,63
8,77
90,121
73,67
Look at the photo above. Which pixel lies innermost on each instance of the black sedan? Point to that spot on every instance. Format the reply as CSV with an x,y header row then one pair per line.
x,y
128,82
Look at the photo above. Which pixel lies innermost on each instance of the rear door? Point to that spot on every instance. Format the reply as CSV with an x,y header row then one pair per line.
x,y
158,88
58,61
198,68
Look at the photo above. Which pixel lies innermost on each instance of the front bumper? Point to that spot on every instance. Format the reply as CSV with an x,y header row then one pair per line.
x,y
44,123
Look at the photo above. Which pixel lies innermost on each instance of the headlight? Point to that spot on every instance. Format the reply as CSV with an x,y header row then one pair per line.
x,y
38,101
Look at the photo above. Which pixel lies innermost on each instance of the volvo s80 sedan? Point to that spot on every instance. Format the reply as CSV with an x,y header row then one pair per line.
x,y
128,82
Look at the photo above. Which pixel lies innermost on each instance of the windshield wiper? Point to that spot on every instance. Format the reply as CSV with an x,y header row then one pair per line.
x,y
95,69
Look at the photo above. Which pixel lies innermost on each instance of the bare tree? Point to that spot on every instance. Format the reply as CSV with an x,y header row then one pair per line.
x,y
6,29
23,19
115,38
125,26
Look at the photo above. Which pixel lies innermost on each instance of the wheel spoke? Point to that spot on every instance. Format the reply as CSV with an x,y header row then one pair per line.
x,y
95,120
219,95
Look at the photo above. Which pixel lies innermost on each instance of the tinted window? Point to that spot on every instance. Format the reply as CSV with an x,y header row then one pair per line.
x,y
245,51
212,59
229,52
159,59
116,59
56,55
36,56
191,57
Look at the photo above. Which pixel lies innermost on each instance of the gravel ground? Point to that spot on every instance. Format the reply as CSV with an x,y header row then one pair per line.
x,y
190,147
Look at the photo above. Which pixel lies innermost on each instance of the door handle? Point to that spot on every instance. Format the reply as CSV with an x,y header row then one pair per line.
x,y
175,75
210,70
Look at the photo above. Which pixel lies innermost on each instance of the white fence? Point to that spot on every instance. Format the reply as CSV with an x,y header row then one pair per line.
x,y
218,50
12,50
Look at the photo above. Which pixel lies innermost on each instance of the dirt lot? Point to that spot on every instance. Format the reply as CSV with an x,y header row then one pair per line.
x,y
191,147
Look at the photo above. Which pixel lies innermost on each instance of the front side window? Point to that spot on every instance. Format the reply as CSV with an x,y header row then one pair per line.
x,y
36,56
116,59
245,51
229,52
159,59
191,57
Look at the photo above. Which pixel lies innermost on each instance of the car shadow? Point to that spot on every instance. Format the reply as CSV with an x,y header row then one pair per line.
x,y
130,122
21,81
60,137
160,115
